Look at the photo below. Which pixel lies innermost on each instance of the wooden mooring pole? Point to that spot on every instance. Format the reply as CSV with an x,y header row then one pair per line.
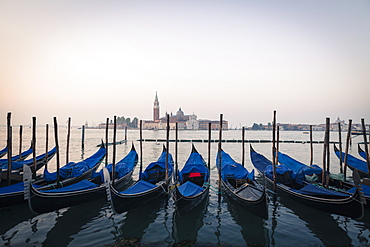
x,y
34,146
366,147
274,149
219,152
243,146
46,145
347,147
68,138
141,149
57,149
114,149
209,145
311,147
340,148
167,145
106,142
20,140
83,138
9,144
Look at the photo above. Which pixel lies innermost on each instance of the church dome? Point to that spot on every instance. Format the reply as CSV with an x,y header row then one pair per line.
x,y
180,113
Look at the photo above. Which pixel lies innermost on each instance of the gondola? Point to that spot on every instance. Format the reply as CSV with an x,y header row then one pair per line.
x,y
17,166
241,185
312,174
309,194
361,152
354,163
152,183
42,201
14,194
18,157
192,183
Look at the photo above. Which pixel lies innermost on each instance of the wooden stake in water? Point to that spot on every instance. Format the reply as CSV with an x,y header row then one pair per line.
x,y
68,138
219,152
114,148
340,148
9,144
366,148
328,150
277,144
57,150
243,148
126,134
34,145
106,142
311,147
176,146
168,147
141,149
347,147
83,138
20,141
323,175
273,150
209,146
46,145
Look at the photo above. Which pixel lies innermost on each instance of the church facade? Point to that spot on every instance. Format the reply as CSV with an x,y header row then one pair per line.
x,y
184,122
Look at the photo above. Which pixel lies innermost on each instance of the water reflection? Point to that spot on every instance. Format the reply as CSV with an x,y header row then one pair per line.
x,y
253,227
138,220
321,223
71,221
10,219
186,226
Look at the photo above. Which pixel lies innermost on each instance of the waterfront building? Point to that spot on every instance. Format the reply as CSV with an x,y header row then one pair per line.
x,y
184,122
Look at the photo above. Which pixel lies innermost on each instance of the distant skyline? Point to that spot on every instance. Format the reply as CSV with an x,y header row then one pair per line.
x,y
90,60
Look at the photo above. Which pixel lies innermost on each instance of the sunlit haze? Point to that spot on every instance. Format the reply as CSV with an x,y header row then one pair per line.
x,y
90,60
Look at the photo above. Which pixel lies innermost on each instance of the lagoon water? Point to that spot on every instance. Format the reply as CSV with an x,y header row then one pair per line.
x,y
215,222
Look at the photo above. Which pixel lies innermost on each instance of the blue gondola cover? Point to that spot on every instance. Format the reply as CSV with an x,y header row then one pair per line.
x,y
73,169
139,187
82,185
190,189
314,190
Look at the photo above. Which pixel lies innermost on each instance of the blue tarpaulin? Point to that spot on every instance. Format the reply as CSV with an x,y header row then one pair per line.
x,y
16,157
73,169
190,189
123,167
82,185
139,187
314,190
230,168
194,164
159,164
297,166
354,162
19,164
18,187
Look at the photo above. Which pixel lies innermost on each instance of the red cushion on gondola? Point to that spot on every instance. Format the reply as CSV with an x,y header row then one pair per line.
x,y
194,174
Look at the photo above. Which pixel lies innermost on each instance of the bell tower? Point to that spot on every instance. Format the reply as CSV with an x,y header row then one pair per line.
x,y
156,109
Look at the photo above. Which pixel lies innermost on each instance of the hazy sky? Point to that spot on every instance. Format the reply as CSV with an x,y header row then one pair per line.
x,y
90,60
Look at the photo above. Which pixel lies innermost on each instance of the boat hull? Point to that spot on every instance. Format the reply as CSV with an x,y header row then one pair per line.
x,y
123,202
258,206
185,204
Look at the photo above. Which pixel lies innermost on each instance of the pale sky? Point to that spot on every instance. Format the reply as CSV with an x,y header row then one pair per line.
x,y
91,59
